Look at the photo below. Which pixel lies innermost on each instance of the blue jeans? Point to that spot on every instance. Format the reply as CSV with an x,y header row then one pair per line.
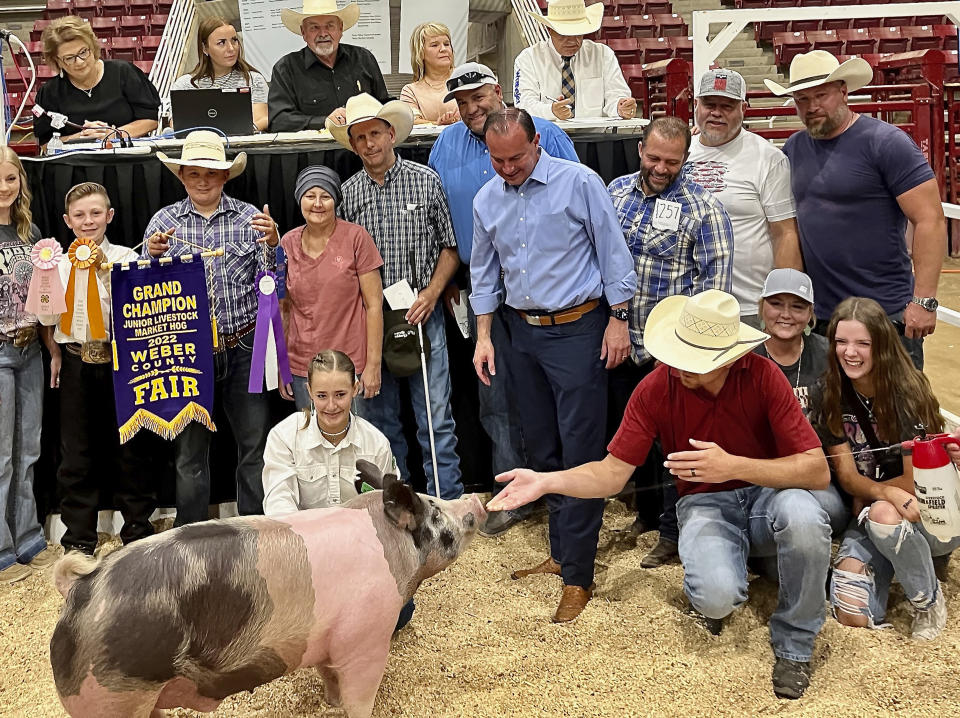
x,y
249,417
719,531
383,411
903,550
21,408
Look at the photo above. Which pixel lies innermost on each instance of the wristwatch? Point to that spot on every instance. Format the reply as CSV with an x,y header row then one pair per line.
x,y
928,303
621,314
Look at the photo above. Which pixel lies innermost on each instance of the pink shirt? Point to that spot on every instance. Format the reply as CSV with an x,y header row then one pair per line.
x,y
326,306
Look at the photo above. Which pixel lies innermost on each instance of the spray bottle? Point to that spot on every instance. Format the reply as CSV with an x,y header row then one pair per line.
x,y
937,484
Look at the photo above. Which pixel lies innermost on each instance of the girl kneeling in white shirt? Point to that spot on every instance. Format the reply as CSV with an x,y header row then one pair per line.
x,y
310,460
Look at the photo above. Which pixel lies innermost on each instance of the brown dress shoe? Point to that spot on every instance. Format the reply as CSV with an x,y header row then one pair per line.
x,y
572,602
548,566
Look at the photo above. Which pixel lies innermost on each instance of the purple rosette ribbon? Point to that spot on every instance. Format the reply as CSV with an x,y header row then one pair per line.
x,y
269,347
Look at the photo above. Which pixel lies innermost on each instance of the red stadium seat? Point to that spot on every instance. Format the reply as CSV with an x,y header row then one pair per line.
x,y
125,48
105,26
766,30
113,8
921,38
652,7
629,7
654,49
626,50
803,25
105,51
787,45
38,28
826,40
633,74
613,26
682,47
149,46
858,41
13,80
848,2
783,3
948,33
866,22
57,8
158,23
35,49
672,25
86,8
929,19
163,6
641,26
898,21
889,39
752,4
141,7
835,23
134,25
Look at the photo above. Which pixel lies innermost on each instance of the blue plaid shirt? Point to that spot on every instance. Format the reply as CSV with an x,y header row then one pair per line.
x,y
698,256
235,272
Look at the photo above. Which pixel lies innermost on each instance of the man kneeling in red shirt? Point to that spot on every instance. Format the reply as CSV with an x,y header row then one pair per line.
x,y
745,461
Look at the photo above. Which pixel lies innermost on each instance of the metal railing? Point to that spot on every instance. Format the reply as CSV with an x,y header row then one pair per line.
x,y
531,30
172,46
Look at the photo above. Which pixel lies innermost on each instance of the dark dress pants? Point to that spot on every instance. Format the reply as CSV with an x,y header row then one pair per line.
x,y
560,391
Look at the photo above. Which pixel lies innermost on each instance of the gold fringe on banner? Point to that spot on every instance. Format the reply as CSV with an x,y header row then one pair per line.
x,y
143,419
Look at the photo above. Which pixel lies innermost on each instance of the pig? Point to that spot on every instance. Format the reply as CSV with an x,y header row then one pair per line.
x,y
192,615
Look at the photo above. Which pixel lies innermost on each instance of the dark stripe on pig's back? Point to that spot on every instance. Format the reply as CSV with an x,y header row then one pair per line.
x,y
193,603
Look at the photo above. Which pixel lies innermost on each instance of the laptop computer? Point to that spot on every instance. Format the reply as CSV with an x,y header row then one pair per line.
x,y
230,111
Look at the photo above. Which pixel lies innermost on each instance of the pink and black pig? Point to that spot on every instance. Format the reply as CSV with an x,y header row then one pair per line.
x,y
192,615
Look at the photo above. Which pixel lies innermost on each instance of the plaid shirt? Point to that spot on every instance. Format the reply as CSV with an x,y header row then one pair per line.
x,y
235,272
695,257
407,214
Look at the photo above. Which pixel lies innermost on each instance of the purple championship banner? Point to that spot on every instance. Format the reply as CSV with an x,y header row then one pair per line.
x,y
162,346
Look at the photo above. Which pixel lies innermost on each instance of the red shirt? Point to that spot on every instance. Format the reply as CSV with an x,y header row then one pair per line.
x,y
755,415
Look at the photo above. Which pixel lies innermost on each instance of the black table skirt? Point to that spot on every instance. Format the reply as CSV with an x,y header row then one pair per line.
x,y
140,185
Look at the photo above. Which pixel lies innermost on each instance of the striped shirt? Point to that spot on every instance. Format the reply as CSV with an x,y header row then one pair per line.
x,y
695,257
233,80
408,214
235,272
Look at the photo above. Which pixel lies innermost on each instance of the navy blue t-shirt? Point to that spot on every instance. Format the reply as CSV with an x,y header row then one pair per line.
x,y
851,227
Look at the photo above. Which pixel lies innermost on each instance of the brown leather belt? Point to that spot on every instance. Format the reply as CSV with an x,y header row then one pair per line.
x,y
22,337
231,340
96,352
564,316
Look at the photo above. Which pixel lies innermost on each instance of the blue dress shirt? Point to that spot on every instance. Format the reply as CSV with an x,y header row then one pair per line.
x,y
463,163
556,237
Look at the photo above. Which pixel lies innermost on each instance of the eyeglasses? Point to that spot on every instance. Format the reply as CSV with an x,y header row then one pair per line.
x,y
74,59
467,78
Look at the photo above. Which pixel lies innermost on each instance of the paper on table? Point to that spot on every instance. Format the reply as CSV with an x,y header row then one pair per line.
x,y
460,314
400,295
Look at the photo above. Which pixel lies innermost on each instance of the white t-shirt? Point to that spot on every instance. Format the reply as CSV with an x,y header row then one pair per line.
x,y
302,470
751,178
231,81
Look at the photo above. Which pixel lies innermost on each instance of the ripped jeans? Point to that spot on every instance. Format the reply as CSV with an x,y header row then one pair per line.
x,y
904,551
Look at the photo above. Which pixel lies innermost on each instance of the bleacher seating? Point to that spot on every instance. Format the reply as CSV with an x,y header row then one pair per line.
x,y
641,26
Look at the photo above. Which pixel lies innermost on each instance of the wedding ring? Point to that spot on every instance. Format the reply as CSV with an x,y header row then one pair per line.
x,y
693,473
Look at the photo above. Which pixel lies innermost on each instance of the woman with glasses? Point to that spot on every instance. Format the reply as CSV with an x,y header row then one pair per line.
x,y
99,98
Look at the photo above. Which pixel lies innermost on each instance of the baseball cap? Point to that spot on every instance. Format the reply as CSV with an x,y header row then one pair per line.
x,y
469,76
401,347
722,83
788,281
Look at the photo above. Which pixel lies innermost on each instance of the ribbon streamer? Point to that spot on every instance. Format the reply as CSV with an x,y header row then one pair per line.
x,y
82,296
45,295
269,348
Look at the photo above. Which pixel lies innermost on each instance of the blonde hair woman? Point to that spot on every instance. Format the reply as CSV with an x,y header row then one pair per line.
x,y
431,57
101,96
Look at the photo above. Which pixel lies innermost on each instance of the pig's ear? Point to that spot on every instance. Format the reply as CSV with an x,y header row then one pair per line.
x,y
401,505
369,473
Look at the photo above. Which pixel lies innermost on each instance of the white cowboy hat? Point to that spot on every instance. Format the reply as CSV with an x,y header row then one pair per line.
x,y
203,148
819,67
570,17
292,19
363,107
700,333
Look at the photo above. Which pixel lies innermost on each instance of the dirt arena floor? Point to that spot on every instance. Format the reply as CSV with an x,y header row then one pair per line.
x,y
482,645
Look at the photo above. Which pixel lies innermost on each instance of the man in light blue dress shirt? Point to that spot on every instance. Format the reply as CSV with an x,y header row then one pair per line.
x,y
549,226
461,158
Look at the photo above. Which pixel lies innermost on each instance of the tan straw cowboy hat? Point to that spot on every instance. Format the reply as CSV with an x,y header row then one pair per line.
x,y
700,333
819,67
363,107
292,19
203,148
570,17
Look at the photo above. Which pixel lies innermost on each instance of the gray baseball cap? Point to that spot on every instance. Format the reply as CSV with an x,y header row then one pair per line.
x,y
722,83
469,76
788,281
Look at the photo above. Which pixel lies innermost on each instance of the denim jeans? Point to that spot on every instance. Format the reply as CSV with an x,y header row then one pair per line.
x,y
719,531
383,411
21,407
249,417
903,551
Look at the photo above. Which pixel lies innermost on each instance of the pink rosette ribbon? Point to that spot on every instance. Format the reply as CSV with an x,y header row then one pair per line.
x,y
46,294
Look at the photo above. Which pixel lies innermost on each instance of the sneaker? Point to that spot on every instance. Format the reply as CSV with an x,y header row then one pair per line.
x,y
15,572
45,558
663,553
790,678
928,623
499,522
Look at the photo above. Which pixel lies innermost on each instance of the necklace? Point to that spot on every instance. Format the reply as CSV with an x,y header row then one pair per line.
x,y
796,384
865,402
338,433
89,90
441,86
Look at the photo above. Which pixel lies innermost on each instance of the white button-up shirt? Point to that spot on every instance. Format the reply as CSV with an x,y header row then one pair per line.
x,y
302,470
596,72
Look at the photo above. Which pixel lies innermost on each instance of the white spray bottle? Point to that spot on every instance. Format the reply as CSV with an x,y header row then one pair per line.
x,y
937,485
